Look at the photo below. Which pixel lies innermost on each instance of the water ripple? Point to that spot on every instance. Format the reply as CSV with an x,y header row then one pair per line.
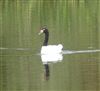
x,y
79,51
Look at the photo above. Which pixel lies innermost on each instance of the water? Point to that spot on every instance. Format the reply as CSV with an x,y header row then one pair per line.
x,y
72,23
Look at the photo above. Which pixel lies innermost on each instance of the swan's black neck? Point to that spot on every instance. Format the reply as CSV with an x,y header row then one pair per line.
x,y
45,43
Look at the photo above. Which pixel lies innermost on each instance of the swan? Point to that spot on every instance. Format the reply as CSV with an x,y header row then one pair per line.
x,y
49,49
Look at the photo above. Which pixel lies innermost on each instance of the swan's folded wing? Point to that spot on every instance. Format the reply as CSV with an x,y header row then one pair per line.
x,y
51,49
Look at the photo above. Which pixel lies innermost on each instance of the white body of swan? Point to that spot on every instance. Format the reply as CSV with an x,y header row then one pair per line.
x,y
52,49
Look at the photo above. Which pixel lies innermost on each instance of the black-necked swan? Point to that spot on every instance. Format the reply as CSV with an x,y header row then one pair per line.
x,y
49,49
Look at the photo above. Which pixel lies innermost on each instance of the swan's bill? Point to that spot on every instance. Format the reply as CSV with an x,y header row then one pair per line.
x,y
41,31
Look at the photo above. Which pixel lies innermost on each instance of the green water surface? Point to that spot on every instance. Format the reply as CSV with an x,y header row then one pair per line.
x,y
73,23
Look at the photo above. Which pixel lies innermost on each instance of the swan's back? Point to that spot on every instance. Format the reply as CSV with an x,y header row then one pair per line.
x,y
51,49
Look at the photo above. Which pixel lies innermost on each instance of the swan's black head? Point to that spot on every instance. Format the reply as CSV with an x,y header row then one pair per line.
x,y
43,30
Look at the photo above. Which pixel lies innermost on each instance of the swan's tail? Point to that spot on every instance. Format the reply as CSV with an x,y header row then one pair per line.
x,y
60,46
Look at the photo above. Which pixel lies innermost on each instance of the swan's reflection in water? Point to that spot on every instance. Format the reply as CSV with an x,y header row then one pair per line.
x,y
47,71
54,58
47,59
